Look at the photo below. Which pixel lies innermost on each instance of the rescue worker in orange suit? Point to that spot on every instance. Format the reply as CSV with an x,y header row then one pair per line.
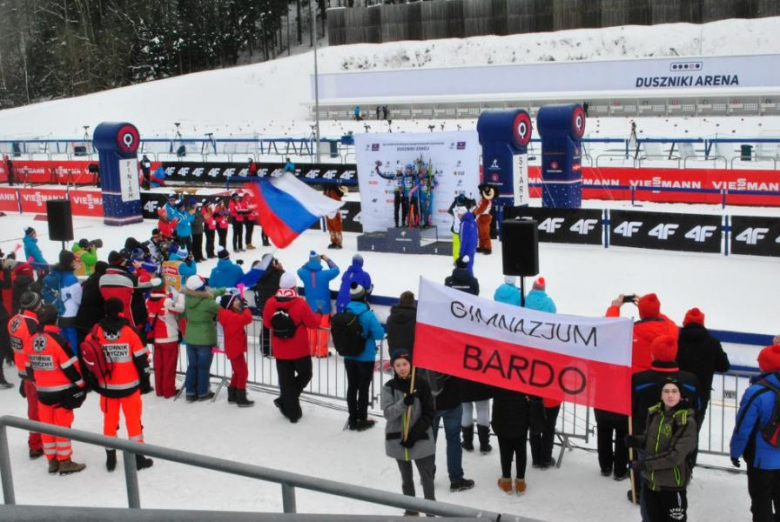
x,y
21,328
482,212
60,386
335,227
128,379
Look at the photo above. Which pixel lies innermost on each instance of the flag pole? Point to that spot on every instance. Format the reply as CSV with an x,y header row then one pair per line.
x,y
409,411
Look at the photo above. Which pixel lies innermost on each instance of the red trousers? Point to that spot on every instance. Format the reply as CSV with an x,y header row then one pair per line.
x,y
34,440
55,447
131,408
240,373
318,338
166,355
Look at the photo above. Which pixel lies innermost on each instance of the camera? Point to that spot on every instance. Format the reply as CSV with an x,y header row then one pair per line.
x,y
630,298
87,244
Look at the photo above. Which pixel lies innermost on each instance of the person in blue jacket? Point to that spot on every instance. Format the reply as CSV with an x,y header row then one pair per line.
x,y
171,206
316,285
468,239
360,368
188,266
226,274
537,298
354,273
763,459
185,215
289,166
31,249
508,292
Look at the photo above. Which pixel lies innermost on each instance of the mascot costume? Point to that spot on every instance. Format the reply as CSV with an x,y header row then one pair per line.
x,y
460,205
335,227
468,239
482,212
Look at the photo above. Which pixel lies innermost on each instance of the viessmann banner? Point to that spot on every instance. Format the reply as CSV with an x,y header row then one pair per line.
x,y
584,360
713,72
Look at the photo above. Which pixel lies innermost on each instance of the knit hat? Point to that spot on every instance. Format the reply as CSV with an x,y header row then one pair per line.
x,y
23,269
194,203
356,291
115,258
172,195
30,300
235,195
314,257
265,261
113,307
462,262
510,280
400,353
66,258
160,290
137,254
357,259
223,254
540,284
195,283
694,315
649,306
29,231
288,281
769,358
664,348
226,301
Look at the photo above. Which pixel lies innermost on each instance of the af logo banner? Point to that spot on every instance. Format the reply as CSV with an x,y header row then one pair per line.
x,y
583,360
666,231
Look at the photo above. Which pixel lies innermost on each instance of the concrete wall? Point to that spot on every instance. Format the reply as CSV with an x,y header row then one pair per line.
x,y
464,18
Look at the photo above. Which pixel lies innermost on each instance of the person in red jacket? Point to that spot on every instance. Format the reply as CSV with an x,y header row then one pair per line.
x,y
222,217
21,328
57,374
652,323
234,317
238,212
290,343
166,224
164,311
128,379
209,228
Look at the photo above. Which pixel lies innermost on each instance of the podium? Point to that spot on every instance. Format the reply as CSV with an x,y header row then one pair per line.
x,y
405,241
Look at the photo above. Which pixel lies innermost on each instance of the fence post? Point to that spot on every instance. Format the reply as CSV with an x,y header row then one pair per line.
x,y
5,468
288,498
726,236
131,480
723,193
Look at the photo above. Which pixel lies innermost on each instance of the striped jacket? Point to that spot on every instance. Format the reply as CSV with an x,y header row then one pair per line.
x,y
53,366
127,355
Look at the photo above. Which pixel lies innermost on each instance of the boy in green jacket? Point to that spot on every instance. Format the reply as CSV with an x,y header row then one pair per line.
x,y
200,312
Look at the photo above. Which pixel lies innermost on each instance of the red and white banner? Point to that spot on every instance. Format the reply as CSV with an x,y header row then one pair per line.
x,y
9,200
583,360
34,200
44,171
86,203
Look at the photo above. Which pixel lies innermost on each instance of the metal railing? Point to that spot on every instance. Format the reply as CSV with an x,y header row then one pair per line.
x,y
289,481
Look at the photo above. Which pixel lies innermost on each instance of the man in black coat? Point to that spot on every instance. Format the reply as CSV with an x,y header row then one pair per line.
x,y
702,355
401,324
91,310
461,279
266,287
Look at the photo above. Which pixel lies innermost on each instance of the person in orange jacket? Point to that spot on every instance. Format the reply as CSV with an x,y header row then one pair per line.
x,y
651,324
128,379
60,387
234,316
21,328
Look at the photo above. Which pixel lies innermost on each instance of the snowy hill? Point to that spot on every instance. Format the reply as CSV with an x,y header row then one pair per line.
x,y
267,98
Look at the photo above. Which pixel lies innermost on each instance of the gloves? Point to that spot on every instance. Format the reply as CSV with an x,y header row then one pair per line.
x,y
736,463
636,465
409,399
146,385
409,442
23,393
631,441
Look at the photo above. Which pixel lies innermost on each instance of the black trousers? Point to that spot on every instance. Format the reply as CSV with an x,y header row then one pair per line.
x,y
359,376
425,467
513,448
209,242
238,235
400,209
266,341
250,228
186,242
542,443
616,459
666,506
764,490
197,247
294,375
222,233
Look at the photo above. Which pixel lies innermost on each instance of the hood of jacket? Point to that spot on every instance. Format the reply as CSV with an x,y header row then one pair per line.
x,y
403,314
314,266
223,265
112,326
693,332
461,275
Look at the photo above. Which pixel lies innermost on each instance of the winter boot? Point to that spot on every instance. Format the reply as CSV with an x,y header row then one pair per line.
x,y
54,465
110,459
461,485
364,424
142,462
519,486
204,398
410,513
242,401
68,466
36,454
468,438
231,395
484,439
505,484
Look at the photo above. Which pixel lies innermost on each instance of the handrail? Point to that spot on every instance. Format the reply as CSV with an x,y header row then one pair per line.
x,y
288,480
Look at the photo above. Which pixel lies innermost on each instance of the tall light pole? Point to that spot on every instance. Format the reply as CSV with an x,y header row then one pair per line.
x,y
316,88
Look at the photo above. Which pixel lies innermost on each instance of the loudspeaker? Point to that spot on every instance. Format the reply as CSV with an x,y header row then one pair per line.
x,y
60,219
520,247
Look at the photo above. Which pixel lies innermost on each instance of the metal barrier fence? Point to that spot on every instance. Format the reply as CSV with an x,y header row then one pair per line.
x,y
289,481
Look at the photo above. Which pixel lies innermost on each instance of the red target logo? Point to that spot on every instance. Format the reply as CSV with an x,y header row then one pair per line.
x,y
522,129
128,139
578,122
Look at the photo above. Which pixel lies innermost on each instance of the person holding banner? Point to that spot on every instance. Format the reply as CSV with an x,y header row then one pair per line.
x,y
407,404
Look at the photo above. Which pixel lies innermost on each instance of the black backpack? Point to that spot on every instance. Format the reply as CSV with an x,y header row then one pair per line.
x,y
771,431
283,325
348,337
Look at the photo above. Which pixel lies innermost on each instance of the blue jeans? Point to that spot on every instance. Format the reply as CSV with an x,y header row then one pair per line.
x,y
198,368
452,434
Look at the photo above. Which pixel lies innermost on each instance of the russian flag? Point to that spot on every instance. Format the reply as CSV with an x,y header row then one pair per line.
x,y
286,207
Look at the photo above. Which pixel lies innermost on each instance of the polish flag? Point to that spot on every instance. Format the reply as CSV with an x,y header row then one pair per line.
x,y
584,360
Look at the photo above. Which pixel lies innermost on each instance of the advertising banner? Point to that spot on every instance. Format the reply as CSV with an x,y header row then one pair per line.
x,y
665,231
86,203
128,179
9,199
563,225
34,200
39,171
755,236
199,173
452,156
562,357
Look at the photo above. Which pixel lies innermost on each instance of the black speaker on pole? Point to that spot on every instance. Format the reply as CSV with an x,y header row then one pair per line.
x,y
520,247
60,219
